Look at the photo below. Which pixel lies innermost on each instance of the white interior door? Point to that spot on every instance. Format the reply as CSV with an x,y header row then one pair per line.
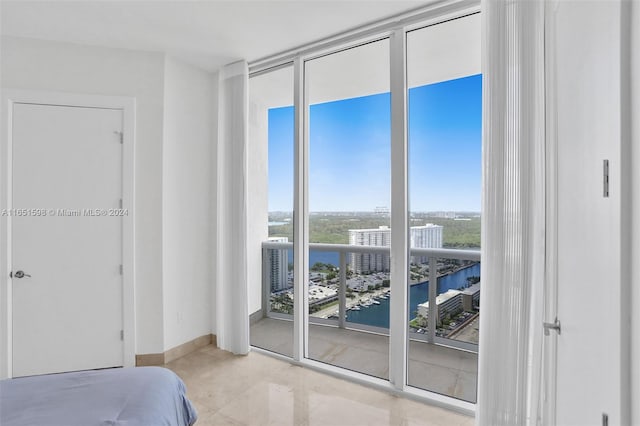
x,y
589,238
67,309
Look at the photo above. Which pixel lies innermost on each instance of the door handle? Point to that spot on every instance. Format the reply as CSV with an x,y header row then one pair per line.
x,y
18,274
551,326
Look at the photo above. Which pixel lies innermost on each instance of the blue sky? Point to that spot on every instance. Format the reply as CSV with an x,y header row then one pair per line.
x,y
349,157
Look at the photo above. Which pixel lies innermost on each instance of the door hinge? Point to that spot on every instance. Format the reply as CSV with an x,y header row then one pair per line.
x,y
121,334
120,135
121,269
605,178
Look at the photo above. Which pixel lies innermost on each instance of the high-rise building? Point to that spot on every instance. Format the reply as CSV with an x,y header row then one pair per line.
x,y
370,262
426,236
278,265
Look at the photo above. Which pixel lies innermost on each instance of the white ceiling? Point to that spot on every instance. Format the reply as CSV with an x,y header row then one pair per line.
x,y
206,33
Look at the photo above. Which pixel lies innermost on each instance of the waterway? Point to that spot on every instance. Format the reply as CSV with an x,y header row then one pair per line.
x,y
378,315
329,257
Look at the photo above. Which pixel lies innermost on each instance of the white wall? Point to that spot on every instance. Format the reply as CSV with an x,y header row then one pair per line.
x,y
635,211
258,199
269,90
213,201
187,217
176,108
40,65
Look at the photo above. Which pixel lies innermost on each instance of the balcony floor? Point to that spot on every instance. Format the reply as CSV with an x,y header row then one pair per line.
x,y
435,368
252,390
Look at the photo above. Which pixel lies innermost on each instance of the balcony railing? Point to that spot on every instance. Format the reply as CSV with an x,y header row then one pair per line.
x,y
343,250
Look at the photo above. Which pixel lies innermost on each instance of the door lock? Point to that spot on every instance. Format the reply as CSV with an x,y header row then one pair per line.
x,y
551,326
18,274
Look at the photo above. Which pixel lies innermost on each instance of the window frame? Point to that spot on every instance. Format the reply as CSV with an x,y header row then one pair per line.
x,y
395,29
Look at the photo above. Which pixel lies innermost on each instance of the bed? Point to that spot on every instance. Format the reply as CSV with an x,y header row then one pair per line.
x,y
140,396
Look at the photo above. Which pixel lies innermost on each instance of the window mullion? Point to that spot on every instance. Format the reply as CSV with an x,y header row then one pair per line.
x,y
300,215
399,213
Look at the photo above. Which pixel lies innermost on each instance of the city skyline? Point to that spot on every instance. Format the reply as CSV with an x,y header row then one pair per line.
x,y
349,151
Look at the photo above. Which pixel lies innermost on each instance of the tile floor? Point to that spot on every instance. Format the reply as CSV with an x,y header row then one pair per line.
x,y
260,390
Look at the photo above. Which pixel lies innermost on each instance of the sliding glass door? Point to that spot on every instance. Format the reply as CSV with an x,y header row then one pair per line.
x,y
397,117
348,109
445,148
271,127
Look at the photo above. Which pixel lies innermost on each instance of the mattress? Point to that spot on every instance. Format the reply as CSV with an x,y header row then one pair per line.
x,y
144,396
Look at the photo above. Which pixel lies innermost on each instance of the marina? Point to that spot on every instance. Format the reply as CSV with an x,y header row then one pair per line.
x,y
373,308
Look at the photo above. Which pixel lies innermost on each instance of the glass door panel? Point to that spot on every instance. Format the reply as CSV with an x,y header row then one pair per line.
x,y
271,131
445,146
348,103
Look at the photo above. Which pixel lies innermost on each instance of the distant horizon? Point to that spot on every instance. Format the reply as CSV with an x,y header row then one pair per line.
x,y
350,151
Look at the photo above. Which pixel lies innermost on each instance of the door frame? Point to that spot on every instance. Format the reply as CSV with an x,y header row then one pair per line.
x,y
8,98
550,305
